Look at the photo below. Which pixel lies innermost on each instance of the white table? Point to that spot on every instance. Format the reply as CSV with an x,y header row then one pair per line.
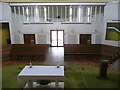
x,y
41,73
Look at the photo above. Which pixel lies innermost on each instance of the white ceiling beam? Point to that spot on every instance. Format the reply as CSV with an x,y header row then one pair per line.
x,y
48,4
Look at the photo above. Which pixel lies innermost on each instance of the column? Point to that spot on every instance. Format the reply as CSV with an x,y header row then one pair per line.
x,y
91,14
61,14
19,14
15,13
56,83
23,14
70,14
99,13
30,84
65,13
52,13
36,14
45,14
95,17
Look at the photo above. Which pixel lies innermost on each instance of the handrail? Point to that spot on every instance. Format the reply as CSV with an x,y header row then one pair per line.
x,y
114,28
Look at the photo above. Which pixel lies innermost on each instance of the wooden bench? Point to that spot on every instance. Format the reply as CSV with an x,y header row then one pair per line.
x,y
5,52
82,49
93,50
111,52
28,51
78,51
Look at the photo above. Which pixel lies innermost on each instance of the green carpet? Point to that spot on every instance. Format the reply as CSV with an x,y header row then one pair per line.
x,y
75,77
85,77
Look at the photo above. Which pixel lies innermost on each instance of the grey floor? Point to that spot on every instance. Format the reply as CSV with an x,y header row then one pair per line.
x,y
116,65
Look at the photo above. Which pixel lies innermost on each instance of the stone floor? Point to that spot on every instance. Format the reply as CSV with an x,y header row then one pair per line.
x,y
50,85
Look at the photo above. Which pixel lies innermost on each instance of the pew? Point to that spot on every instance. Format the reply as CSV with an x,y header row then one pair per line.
x,y
109,50
112,52
5,52
82,49
28,51
90,51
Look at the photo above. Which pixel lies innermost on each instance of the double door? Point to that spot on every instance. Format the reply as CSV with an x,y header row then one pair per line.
x,y
57,38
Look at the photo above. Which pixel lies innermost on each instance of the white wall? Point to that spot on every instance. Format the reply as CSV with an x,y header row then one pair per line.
x,y
101,35
5,16
0,11
71,31
111,13
5,12
42,32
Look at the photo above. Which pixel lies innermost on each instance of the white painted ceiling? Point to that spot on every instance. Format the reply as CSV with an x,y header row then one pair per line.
x,y
57,1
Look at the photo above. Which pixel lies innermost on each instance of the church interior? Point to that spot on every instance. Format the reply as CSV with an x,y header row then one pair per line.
x,y
81,35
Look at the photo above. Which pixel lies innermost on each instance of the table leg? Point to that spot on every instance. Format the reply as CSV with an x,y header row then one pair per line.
x,y
56,83
30,84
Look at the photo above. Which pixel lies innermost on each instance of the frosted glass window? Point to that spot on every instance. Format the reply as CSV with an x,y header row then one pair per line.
x,y
88,14
60,38
57,13
54,38
71,13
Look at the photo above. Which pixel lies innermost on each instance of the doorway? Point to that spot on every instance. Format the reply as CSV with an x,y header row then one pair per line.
x,y
5,32
29,38
57,38
85,39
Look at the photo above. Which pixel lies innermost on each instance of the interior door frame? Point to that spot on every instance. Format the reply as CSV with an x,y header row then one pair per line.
x,y
57,38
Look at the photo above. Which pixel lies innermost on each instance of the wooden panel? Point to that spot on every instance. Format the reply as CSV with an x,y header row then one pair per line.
x,y
5,52
104,50
82,49
110,50
85,39
28,51
29,38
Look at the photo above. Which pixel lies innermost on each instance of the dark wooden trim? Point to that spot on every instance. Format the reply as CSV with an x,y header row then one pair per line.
x,y
75,23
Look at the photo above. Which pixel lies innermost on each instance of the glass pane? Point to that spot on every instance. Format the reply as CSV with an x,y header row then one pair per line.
x,y
54,38
60,38
57,13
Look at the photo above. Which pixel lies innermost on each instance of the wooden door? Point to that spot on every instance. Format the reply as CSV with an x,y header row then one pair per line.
x,y
85,39
29,38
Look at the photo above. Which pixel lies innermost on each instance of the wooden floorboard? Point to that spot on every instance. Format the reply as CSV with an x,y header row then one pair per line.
x,y
55,56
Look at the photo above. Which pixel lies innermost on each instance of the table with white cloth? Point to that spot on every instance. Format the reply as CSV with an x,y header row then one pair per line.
x,y
41,73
